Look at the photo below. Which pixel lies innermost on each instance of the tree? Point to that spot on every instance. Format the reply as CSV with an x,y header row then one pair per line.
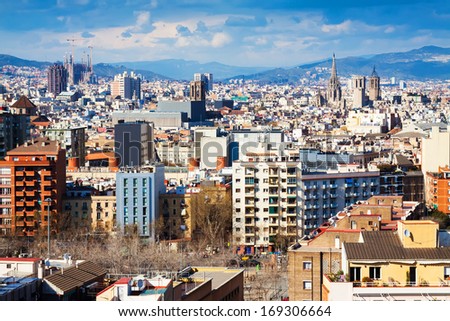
x,y
211,211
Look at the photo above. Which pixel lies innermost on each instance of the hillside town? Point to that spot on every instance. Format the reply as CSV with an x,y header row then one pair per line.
x,y
121,188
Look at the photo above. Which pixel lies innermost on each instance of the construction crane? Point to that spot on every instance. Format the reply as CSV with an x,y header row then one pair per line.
x,y
72,40
91,66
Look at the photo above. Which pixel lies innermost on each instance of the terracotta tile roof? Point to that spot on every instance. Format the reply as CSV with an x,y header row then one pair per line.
x,y
386,245
40,146
23,102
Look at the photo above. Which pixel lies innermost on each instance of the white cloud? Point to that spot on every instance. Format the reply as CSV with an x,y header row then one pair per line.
x,y
389,29
220,39
337,28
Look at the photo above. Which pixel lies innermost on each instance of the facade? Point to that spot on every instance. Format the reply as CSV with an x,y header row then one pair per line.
x,y
207,78
197,90
137,201
134,144
15,124
359,91
57,79
30,175
277,199
126,86
410,265
72,139
321,251
438,189
435,154
195,109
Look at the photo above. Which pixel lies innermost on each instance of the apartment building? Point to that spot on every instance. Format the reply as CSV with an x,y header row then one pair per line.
x,y
437,192
320,252
32,183
274,197
408,265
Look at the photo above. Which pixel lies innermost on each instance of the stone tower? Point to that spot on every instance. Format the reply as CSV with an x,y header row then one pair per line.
x,y
374,86
334,92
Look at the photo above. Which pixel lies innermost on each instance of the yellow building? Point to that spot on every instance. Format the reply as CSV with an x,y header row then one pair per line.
x,y
408,264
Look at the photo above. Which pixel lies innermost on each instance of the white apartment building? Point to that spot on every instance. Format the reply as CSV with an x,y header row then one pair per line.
x,y
275,199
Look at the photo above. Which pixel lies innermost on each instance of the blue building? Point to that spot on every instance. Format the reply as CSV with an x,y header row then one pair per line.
x,y
137,193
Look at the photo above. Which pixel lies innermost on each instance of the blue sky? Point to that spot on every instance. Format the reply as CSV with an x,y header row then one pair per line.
x,y
235,32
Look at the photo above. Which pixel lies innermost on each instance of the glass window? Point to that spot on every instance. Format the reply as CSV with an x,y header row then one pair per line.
x,y
125,182
307,285
375,272
307,265
447,272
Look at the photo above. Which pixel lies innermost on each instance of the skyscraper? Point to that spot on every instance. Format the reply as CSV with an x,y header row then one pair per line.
x,y
57,79
374,86
334,91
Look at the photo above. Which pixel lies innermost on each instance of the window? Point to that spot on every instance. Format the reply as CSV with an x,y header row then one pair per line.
x,y
125,182
238,219
307,285
375,272
8,266
307,265
447,272
144,182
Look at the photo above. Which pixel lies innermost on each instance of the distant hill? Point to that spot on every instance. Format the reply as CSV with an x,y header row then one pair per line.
x,y
14,61
184,69
428,62
425,63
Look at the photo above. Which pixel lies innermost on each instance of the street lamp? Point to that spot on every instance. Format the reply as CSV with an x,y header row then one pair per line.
x,y
49,202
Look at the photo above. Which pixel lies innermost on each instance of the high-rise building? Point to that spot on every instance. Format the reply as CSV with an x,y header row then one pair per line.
x,y
275,199
138,199
374,87
359,91
334,91
133,143
33,180
207,78
57,79
126,86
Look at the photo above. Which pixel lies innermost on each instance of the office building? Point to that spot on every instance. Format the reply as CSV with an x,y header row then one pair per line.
x,y
207,78
133,143
138,199
72,139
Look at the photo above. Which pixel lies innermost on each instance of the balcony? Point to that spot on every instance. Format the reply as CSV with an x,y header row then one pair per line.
x,y
340,289
30,183
20,183
20,193
30,173
30,193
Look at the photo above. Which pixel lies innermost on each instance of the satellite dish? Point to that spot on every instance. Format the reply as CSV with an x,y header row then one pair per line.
x,y
407,233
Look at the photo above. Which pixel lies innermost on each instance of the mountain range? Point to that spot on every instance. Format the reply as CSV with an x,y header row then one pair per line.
x,y
425,63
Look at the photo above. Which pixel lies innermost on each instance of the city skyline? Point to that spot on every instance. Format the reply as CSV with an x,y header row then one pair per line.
x,y
240,33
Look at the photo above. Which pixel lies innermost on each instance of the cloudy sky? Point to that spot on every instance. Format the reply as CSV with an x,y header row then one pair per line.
x,y
270,33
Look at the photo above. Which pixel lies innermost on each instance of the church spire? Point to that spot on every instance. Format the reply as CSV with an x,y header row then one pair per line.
x,y
333,67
